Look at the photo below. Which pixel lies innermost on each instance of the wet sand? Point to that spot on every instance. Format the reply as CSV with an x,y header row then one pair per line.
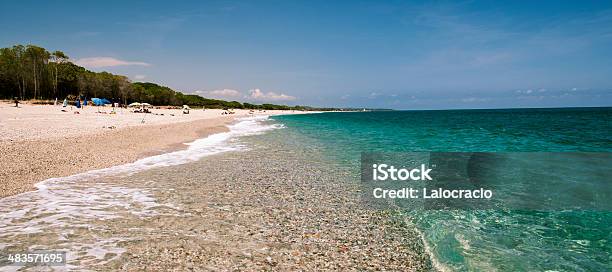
x,y
274,207
256,211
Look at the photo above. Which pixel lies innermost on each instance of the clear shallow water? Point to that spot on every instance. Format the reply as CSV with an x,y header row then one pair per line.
x,y
502,240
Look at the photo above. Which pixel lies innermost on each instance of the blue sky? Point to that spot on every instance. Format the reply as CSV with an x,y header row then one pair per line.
x,y
388,54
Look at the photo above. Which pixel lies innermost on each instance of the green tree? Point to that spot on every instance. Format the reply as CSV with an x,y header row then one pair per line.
x,y
37,58
58,58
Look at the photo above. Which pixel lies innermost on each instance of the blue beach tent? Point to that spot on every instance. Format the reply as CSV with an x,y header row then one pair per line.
x,y
100,101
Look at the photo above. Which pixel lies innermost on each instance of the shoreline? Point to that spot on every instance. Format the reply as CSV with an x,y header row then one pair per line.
x,y
57,157
33,147
306,216
283,231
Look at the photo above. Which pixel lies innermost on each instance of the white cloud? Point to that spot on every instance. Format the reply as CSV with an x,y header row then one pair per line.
x,y
526,91
532,97
139,77
221,94
257,94
97,62
474,100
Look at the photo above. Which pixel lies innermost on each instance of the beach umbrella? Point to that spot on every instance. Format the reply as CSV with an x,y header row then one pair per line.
x,y
135,104
146,105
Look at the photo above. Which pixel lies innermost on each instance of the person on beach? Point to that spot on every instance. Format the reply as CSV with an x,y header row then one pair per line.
x,y
16,102
65,104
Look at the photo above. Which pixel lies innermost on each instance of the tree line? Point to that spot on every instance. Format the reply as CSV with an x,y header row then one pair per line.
x,y
32,72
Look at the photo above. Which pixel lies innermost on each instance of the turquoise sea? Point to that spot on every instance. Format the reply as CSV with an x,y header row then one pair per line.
x,y
492,239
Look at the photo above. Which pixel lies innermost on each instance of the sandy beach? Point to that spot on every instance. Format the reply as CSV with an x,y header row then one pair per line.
x,y
38,142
